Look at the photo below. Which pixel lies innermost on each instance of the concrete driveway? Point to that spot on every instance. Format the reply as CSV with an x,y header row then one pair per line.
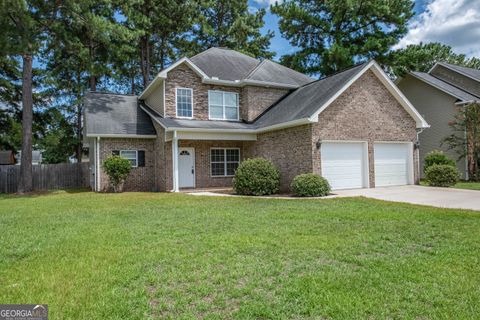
x,y
430,196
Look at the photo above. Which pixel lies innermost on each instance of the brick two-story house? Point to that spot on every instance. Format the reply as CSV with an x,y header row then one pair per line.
x,y
200,117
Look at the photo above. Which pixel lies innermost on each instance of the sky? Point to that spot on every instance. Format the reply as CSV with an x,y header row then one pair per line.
x,y
453,22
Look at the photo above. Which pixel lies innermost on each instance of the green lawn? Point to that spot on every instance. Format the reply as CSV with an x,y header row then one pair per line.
x,y
151,255
460,185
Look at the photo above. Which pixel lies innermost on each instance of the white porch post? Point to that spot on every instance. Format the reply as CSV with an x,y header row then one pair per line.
x,y
176,187
97,166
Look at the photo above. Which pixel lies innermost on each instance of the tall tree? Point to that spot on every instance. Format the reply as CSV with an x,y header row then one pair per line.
x,y
228,23
334,34
160,25
422,57
23,25
79,57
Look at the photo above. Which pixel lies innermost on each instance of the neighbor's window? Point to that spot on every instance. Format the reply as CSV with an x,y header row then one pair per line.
x,y
184,102
130,155
223,105
224,161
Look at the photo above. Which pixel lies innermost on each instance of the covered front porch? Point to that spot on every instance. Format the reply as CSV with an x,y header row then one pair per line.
x,y
206,160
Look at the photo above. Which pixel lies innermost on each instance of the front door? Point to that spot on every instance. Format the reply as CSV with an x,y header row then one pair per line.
x,y
186,167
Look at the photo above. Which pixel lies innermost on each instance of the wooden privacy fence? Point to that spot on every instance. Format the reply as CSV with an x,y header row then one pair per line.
x,y
47,176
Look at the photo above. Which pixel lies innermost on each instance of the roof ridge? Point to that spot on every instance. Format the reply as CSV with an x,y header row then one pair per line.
x,y
200,53
277,63
112,93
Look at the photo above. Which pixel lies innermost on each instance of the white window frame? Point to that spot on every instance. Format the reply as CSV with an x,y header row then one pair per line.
x,y
176,101
223,105
136,157
224,161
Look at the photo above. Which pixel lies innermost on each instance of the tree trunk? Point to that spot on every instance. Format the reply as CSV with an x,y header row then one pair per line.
x,y
133,83
93,83
26,179
145,60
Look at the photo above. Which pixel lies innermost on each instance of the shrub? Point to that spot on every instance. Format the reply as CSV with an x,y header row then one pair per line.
x,y
437,157
257,177
117,170
310,185
442,175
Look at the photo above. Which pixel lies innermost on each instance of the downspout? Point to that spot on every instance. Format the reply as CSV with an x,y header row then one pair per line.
x,y
97,176
417,147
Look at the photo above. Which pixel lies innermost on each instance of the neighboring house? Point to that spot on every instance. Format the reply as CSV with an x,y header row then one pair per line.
x,y
437,95
200,117
7,157
36,157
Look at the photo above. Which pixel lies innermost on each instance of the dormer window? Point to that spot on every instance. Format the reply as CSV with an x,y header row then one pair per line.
x,y
223,105
184,102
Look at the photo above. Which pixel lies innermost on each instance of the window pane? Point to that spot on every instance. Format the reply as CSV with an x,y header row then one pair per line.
x,y
233,155
217,155
184,103
218,169
130,155
215,98
230,99
216,112
231,113
231,167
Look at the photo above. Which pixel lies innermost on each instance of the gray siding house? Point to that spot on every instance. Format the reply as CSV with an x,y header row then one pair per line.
x,y
437,95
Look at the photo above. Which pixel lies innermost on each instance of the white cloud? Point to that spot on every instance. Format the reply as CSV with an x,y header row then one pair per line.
x,y
453,22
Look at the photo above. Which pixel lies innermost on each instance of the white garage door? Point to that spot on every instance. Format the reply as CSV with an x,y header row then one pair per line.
x,y
392,164
343,164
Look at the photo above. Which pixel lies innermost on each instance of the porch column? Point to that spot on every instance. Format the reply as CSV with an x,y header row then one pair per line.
x,y
175,162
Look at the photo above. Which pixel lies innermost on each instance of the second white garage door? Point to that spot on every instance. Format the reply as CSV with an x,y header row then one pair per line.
x,y
344,164
393,164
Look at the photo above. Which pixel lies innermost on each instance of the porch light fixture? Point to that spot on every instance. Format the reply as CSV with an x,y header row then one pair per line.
x,y
416,145
318,144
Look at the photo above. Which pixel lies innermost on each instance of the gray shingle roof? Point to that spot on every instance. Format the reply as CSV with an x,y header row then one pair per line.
x,y
474,73
199,124
270,71
107,113
306,100
226,64
442,85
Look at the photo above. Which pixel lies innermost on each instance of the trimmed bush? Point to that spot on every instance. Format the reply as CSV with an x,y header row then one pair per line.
x,y
310,185
437,157
442,175
117,170
256,177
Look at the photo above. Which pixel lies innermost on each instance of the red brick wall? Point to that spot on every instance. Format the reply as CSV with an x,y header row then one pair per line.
x,y
366,111
139,179
258,99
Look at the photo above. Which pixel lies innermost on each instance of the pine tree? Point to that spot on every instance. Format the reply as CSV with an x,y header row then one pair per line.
x,y
334,34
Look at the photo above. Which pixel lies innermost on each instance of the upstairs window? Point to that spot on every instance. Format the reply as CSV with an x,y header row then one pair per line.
x,y
223,105
184,98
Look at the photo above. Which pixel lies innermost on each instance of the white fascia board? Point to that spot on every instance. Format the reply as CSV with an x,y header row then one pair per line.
x,y
216,136
152,117
134,136
387,82
314,117
183,129
462,103
399,96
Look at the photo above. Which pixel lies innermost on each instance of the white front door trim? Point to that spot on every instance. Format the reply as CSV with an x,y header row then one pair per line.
x,y
186,175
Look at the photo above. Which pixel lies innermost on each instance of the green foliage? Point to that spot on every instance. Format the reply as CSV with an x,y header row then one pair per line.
x,y
228,23
332,35
442,175
310,185
465,138
437,157
422,57
117,170
256,177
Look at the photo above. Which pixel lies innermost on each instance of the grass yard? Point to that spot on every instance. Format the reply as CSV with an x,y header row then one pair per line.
x,y
460,185
151,255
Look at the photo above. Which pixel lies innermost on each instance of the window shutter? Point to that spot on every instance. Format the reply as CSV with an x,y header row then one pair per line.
x,y
116,152
141,158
